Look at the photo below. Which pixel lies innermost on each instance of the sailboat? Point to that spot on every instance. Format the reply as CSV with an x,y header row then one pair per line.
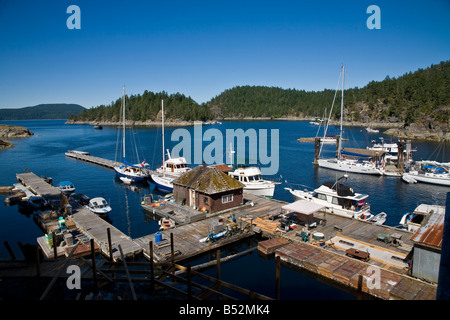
x,y
128,172
341,163
171,168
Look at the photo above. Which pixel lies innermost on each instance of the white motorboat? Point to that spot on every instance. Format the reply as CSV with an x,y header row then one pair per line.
x,y
412,221
99,205
369,129
128,170
253,181
338,199
428,174
66,187
379,218
171,168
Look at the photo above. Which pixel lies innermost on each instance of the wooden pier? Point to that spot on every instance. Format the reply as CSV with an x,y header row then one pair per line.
x,y
98,161
88,222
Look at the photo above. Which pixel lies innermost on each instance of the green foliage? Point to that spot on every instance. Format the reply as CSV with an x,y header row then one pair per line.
x,y
42,111
147,107
411,97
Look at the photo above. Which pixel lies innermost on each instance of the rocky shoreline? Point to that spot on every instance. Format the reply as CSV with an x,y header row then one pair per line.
x,y
396,129
12,132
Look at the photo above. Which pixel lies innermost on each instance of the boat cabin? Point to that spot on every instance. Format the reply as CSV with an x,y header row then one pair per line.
x,y
207,189
342,195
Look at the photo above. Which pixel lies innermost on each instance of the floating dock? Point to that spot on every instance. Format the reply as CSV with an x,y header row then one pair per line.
x,y
85,156
86,221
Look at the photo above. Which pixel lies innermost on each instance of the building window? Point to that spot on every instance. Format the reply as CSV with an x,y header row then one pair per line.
x,y
205,200
228,198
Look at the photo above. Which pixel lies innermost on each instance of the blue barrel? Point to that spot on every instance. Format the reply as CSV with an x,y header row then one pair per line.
x,y
158,237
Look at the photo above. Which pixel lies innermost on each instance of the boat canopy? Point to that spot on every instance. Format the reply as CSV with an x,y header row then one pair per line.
x,y
303,206
341,189
65,183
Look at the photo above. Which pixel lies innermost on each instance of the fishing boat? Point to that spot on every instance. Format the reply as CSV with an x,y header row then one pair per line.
x,y
66,187
171,168
127,170
346,162
428,174
338,199
99,205
253,181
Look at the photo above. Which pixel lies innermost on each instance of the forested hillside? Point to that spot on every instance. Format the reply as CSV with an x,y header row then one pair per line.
x,y
41,111
424,94
147,107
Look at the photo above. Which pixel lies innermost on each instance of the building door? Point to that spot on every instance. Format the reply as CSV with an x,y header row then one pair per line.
x,y
192,198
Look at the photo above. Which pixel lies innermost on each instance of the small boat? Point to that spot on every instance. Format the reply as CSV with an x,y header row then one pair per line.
x,y
166,223
408,178
66,187
80,198
369,129
253,181
379,218
99,205
34,203
98,126
412,221
126,180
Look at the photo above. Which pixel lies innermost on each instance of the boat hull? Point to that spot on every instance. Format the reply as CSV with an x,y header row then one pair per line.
x,y
347,167
134,177
265,191
163,183
427,179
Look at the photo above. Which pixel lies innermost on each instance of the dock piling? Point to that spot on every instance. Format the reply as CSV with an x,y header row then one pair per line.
x,y
277,277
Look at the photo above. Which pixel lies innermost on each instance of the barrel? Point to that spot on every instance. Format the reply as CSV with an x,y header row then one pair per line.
x,y
158,237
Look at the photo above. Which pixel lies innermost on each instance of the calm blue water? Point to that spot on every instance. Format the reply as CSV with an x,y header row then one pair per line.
x,y
43,154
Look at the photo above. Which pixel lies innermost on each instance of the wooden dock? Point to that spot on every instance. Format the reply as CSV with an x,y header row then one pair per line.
x,y
98,161
186,237
88,222
356,274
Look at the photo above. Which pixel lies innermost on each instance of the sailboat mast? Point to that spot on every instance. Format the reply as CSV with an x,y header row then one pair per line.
x,y
342,113
162,111
123,105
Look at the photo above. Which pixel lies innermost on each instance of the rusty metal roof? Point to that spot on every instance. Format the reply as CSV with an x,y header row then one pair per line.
x,y
432,232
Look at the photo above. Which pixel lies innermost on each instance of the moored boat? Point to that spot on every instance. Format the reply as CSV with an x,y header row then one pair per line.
x,y
99,205
253,181
66,187
428,174
166,223
338,199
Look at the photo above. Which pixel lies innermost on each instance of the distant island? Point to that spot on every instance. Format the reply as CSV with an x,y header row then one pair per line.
x,y
7,131
42,111
415,105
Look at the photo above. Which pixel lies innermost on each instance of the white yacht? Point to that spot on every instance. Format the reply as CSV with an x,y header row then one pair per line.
x,y
253,181
171,168
338,199
428,174
342,163
99,205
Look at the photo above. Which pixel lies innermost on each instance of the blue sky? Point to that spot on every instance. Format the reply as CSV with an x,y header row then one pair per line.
x,y
201,48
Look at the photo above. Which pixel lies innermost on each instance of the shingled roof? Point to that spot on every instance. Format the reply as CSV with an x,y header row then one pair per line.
x,y
207,180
